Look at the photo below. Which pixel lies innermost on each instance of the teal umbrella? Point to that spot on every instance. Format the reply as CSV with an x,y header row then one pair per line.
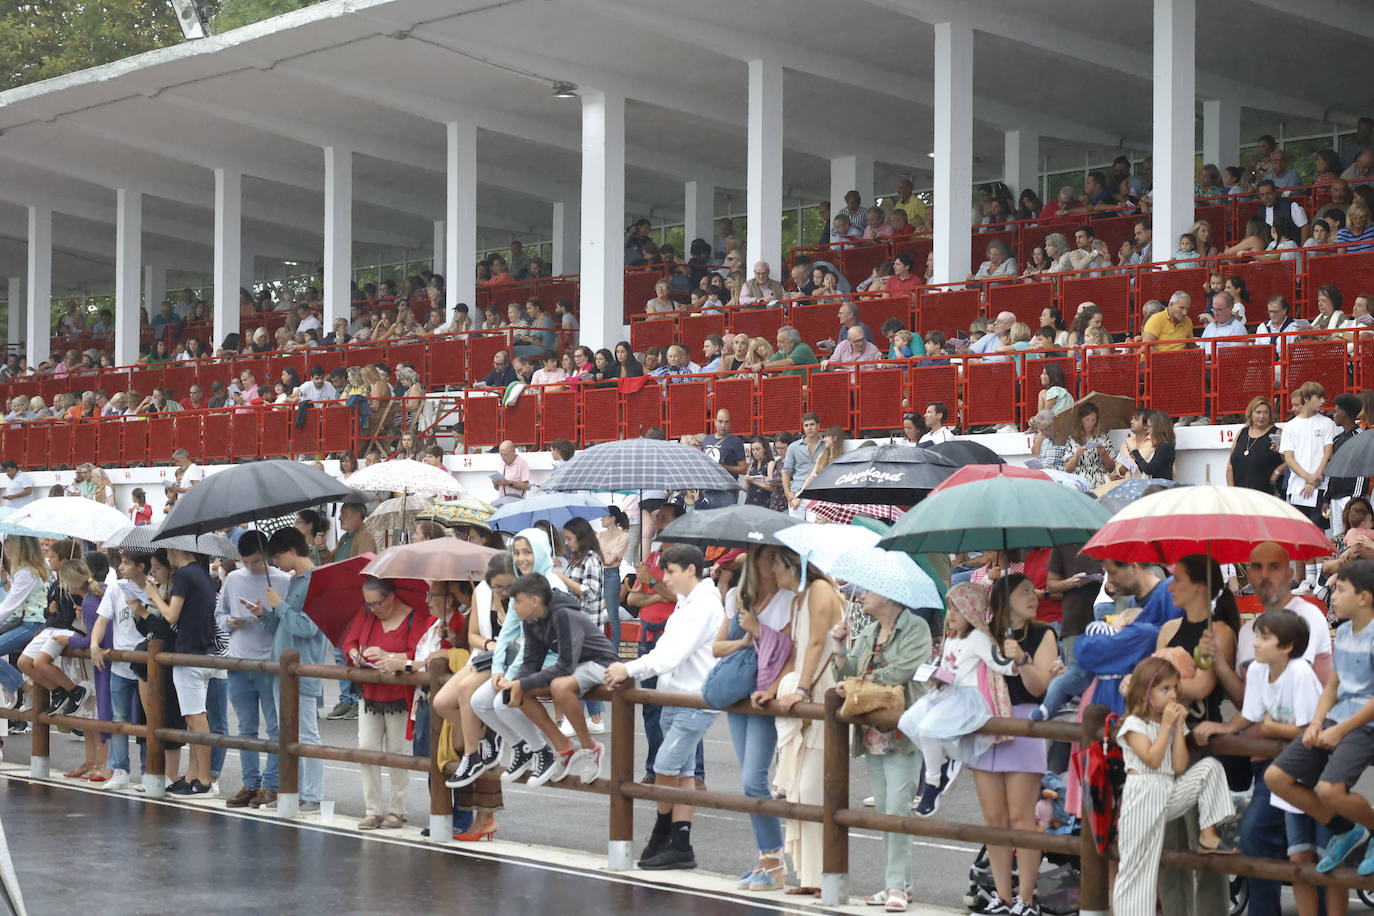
x,y
1000,513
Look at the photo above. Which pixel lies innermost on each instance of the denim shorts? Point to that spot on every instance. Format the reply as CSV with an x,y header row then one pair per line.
x,y
1305,834
683,730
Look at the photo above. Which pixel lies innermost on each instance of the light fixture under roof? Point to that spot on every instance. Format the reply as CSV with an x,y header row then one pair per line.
x,y
562,90
194,18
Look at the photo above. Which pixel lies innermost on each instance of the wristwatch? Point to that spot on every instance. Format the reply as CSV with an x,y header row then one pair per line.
x,y
409,666
653,582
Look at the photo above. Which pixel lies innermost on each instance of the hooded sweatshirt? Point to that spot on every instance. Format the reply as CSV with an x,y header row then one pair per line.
x,y
568,636
501,657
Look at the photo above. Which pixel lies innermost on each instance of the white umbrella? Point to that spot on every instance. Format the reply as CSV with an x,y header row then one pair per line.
x,y
73,517
403,475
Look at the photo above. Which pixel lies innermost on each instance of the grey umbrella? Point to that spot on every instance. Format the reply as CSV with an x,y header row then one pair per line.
x,y
733,526
1355,458
213,545
640,464
247,492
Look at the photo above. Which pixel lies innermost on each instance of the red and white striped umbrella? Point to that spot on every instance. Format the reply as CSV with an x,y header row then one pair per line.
x,y
1224,522
844,513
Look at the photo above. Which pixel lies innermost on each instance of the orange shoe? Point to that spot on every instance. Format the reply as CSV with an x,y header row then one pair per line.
x,y
485,832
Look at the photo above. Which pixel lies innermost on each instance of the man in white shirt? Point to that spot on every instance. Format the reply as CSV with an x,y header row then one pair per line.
x,y
317,388
19,487
990,341
1307,442
1280,320
937,431
308,320
188,474
681,659
1271,205
251,691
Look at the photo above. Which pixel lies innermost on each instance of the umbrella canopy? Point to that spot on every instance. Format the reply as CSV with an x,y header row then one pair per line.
x,y
396,512
1225,522
6,527
72,517
469,512
405,475
919,559
134,539
1119,494
890,573
972,472
1000,513
1354,459
213,545
733,526
896,475
252,491
335,595
1113,412
821,545
555,508
966,451
440,560
845,513
640,464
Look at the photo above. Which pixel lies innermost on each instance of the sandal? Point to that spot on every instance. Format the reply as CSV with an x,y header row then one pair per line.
x,y
371,822
767,877
99,774
80,772
1222,848
393,822
803,892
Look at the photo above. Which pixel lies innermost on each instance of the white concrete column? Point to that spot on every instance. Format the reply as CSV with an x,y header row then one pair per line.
x,y
440,248
953,150
1021,161
338,232
1175,82
851,173
228,253
1221,132
764,189
39,322
154,288
460,218
17,311
602,294
128,273
699,215
566,219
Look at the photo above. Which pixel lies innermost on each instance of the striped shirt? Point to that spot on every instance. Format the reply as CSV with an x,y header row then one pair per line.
x,y
1367,236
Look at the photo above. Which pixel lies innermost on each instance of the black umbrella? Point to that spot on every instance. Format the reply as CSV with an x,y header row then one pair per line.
x,y
247,492
733,526
1355,458
964,451
889,475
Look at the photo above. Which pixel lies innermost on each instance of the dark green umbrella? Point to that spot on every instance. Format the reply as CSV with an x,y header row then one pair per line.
x,y
1000,513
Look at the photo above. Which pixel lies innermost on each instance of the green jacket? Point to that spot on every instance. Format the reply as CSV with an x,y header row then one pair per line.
x,y
909,648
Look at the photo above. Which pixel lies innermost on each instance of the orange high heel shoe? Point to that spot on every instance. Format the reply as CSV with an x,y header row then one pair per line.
x,y
472,836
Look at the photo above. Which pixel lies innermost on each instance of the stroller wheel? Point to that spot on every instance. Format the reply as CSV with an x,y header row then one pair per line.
x,y
1366,897
1240,895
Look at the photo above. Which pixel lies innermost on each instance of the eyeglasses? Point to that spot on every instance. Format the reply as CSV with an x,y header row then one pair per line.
x,y
373,605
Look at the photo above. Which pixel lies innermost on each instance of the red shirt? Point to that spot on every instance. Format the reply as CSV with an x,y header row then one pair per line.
x,y
659,611
906,230
1048,610
367,630
141,515
895,284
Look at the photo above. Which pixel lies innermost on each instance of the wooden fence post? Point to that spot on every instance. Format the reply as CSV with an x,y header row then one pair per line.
x,y
1092,895
440,795
288,735
834,835
155,771
39,757
620,849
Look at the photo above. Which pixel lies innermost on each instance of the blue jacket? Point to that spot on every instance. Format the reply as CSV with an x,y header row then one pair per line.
x,y
292,629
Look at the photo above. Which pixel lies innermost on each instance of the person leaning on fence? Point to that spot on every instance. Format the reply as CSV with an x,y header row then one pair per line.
x,y
681,660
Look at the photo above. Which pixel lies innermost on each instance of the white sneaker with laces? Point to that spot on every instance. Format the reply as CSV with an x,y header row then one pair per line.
x,y
596,728
119,780
566,727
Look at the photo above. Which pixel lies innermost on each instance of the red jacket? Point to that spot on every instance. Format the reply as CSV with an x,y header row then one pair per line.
x,y
366,631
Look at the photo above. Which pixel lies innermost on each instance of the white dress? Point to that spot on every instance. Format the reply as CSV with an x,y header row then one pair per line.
x,y
954,713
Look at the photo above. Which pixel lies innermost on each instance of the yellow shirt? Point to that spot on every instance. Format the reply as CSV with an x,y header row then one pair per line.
x,y
915,209
1164,329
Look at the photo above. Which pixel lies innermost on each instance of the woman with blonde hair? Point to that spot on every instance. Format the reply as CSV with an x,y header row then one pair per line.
x,y
25,572
760,352
104,490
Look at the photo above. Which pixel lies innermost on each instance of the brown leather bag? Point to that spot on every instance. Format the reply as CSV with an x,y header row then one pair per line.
x,y
862,695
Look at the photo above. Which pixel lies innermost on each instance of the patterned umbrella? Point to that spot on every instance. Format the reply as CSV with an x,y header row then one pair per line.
x,y
733,526
251,491
469,512
404,475
640,464
395,512
440,559
7,528
971,472
890,573
213,545
822,545
1116,496
844,513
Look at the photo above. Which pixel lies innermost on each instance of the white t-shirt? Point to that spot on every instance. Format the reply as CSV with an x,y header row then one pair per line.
x,y
1291,699
114,607
936,436
251,639
776,615
19,484
308,391
1318,640
1306,438
194,473
308,323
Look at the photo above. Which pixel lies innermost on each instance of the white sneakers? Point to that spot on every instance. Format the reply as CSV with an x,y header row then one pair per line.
x,y
119,780
585,763
596,728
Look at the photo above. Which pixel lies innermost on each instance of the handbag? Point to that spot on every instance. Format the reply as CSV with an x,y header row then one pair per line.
x,y
862,695
734,677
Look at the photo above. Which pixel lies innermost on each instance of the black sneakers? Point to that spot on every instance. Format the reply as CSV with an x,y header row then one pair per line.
x,y
55,700
522,760
179,787
547,766
72,700
488,754
657,843
930,800
669,858
469,768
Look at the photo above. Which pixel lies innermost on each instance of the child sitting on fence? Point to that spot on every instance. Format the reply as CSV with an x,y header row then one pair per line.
x,y
1160,786
944,722
1318,769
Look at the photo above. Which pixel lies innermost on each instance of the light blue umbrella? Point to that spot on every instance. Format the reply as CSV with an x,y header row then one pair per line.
x,y
890,573
821,545
555,508
7,528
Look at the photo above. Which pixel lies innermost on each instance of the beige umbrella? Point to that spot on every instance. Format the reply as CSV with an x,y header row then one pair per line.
x,y
395,513
1113,412
438,560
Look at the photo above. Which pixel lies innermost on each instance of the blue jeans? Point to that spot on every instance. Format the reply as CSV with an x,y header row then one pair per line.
x,y
251,691
14,641
124,699
1262,834
419,746
1065,687
610,579
311,768
755,738
653,732
217,715
350,692
683,731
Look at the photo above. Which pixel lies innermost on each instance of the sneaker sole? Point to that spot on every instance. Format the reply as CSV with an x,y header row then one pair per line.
x,y
541,779
453,782
516,774
675,866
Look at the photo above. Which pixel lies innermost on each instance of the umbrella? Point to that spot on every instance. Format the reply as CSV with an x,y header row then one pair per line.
x,y
7,528
821,545
733,526
1224,522
438,559
335,595
72,517
555,508
405,475
919,559
844,513
966,451
213,545
1118,495
1113,412
1353,459
640,464
1000,513
890,573
972,472
252,491
395,513
897,475
469,512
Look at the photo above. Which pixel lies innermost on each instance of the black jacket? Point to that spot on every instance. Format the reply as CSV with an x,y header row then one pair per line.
x,y
563,629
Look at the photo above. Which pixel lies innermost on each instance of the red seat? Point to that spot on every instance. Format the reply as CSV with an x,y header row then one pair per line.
x,y
693,330
482,349
1240,374
780,404
60,438
687,409
950,311
1322,361
828,397
643,410
337,424
758,323
1113,373
243,433
1175,382
652,332
1267,279
305,439
135,446
990,393
1111,294
737,396
13,437
1031,386
521,419
1025,300
178,430
879,399
481,419
215,443
639,289
929,383
813,322
1161,284
448,361
559,416
109,449
876,312
36,445
857,261
276,432
600,415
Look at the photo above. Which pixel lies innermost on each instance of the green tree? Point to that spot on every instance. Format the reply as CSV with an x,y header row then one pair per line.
x,y
234,13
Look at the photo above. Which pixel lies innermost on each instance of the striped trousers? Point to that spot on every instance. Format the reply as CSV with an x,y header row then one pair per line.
x,y
1149,802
